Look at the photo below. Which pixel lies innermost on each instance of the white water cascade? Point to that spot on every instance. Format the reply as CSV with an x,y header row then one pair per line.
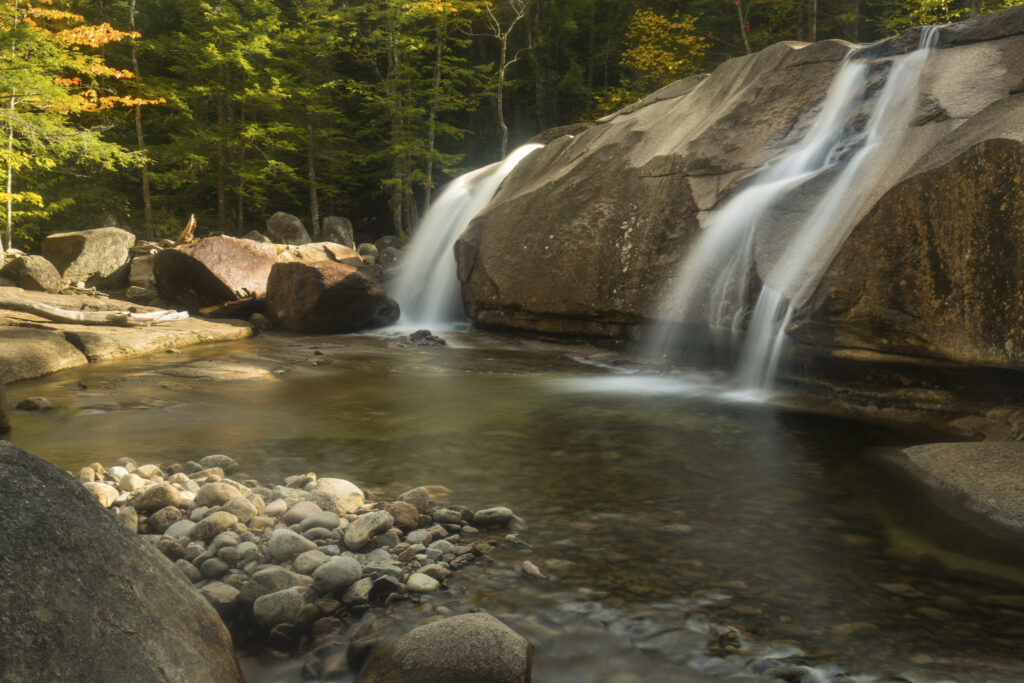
x,y
427,287
843,155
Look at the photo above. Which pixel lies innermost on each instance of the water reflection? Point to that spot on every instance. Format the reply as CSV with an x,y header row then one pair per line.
x,y
664,516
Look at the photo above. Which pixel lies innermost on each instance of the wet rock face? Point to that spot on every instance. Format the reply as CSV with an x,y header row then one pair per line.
x,y
72,606
327,297
935,269
587,233
213,271
89,256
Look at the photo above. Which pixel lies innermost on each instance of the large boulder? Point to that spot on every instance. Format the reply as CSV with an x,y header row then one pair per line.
x,y
338,229
587,235
285,228
84,599
326,297
89,256
214,270
33,272
464,649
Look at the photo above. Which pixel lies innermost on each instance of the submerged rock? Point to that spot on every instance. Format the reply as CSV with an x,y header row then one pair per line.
x,y
468,648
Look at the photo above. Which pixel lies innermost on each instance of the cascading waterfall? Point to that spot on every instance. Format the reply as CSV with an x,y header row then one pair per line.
x,y
715,276
427,287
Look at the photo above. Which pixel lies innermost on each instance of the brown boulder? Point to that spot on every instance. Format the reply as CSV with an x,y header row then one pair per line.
x,y
326,297
213,271
338,229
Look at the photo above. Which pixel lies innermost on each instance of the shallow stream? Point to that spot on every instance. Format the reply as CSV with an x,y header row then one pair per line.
x,y
688,537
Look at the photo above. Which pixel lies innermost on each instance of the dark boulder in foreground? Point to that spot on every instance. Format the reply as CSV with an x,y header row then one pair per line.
x,y
327,297
465,649
84,599
213,271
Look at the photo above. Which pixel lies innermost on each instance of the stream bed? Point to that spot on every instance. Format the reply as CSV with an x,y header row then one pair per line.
x,y
689,536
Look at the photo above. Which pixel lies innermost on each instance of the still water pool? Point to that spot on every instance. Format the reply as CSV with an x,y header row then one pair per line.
x,y
689,536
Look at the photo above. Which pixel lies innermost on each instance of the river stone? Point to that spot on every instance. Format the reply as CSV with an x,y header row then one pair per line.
x,y
241,508
131,482
88,256
149,471
181,528
492,516
345,496
421,583
326,297
33,272
35,404
407,517
211,525
307,562
162,519
214,568
103,492
419,496
157,498
284,228
322,519
283,606
216,493
214,270
359,592
300,511
336,574
57,540
276,508
285,543
225,462
271,580
468,648
365,527
222,597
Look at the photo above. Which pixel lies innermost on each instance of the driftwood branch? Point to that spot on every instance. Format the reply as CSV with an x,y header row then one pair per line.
x,y
119,318
187,235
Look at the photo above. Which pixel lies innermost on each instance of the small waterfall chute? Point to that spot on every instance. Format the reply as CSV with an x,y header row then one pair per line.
x,y
714,278
427,287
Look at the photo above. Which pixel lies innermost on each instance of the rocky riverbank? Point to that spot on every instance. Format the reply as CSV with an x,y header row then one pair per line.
x,y
296,567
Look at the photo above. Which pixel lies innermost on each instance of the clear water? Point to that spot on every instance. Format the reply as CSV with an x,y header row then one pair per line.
x,y
661,515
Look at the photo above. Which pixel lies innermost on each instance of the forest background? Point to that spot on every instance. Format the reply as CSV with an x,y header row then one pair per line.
x,y
138,113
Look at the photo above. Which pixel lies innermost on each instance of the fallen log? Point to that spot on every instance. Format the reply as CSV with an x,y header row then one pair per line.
x,y
118,318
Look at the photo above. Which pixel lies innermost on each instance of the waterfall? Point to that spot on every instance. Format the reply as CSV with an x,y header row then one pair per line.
x,y
839,150
427,287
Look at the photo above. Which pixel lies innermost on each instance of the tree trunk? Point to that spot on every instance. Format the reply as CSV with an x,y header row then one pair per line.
x,y
849,25
222,150
810,21
442,31
500,94
314,206
743,26
147,204
240,199
10,181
